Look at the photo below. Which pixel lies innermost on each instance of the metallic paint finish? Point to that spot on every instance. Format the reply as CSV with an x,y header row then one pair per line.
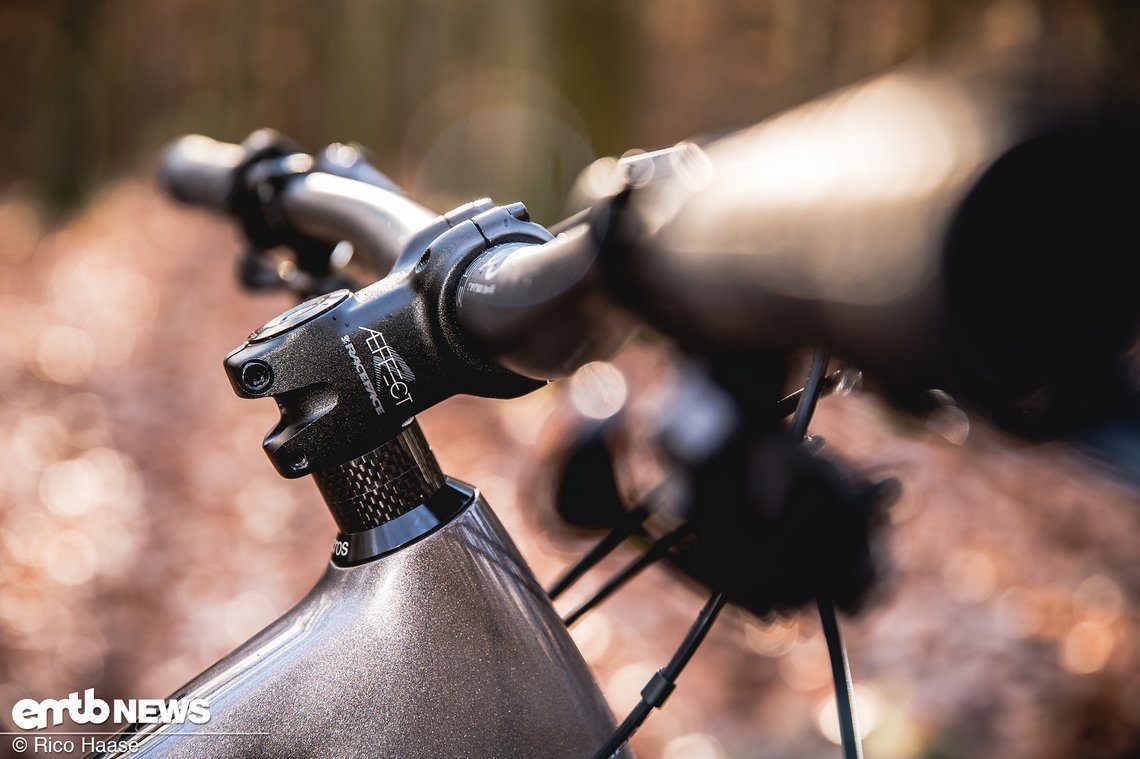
x,y
446,648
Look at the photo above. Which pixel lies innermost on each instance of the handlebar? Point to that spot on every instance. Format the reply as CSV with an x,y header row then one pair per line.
x,y
952,229
377,221
543,311
946,228
200,171
334,197
969,232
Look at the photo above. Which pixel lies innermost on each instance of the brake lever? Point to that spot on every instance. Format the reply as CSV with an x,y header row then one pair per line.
x,y
350,370
272,162
775,524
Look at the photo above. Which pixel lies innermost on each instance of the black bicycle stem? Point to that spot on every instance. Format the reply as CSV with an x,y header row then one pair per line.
x,y
350,370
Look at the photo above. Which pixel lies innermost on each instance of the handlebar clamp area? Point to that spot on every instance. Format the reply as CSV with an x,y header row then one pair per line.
x,y
350,370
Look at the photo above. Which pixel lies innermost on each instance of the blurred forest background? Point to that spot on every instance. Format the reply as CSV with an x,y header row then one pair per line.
x,y
143,535
460,98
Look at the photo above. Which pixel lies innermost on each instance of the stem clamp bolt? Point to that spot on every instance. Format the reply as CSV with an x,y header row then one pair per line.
x,y
255,376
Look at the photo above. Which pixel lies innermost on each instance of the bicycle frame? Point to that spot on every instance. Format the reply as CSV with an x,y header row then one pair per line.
x,y
388,655
392,658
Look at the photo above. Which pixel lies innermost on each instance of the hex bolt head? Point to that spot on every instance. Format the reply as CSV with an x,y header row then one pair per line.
x,y
255,376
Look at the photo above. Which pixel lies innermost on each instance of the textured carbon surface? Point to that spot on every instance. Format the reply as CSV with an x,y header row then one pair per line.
x,y
382,484
445,648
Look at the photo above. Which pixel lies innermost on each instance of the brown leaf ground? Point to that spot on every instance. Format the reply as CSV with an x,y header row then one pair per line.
x,y
143,533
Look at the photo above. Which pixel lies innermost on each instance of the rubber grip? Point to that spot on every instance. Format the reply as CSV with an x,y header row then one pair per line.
x,y
200,171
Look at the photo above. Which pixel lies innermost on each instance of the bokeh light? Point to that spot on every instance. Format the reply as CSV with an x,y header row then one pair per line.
x,y
1086,647
867,709
598,390
969,575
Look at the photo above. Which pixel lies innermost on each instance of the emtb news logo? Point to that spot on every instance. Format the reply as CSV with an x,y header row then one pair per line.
x,y
29,714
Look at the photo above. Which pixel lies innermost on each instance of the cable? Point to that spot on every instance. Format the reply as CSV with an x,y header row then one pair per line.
x,y
662,684
809,396
601,549
604,547
836,653
659,548
786,407
841,676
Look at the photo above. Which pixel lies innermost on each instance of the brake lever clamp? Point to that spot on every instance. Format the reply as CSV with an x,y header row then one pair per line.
x,y
272,161
777,527
349,371
774,524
